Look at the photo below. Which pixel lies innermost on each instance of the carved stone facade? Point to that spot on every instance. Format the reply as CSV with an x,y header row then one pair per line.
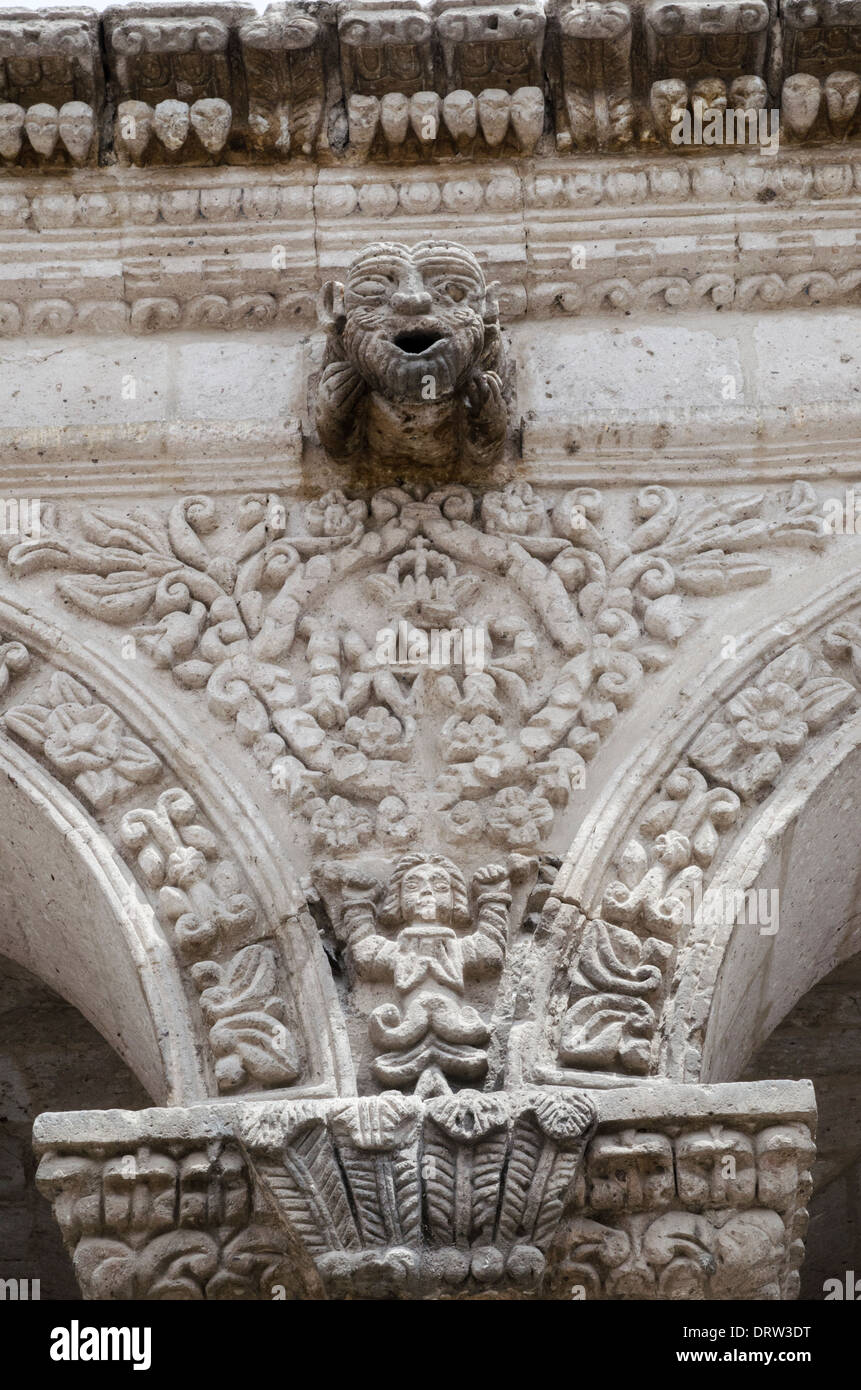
x,y
430,724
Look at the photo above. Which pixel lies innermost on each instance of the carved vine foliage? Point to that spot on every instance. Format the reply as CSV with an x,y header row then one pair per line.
x,y
424,675
622,961
240,607
198,892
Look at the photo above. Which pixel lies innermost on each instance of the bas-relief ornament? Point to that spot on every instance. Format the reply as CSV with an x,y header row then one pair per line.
x,y
426,937
309,627
623,960
201,901
478,1186
415,369
101,288
493,1194
715,1212
364,81
83,740
199,895
440,653
517,1194
422,678
177,1221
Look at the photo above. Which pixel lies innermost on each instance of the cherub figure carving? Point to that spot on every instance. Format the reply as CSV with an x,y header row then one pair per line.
x,y
418,939
414,369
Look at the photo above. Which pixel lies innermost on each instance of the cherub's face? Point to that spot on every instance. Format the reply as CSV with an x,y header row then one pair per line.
x,y
426,894
415,320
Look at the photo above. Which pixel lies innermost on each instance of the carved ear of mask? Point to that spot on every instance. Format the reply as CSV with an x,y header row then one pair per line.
x,y
491,302
330,306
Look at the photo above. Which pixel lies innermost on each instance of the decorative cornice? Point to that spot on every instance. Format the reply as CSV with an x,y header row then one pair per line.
x,y
355,81
149,251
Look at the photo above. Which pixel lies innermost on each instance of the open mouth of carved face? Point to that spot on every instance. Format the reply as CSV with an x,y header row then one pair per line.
x,y
414,344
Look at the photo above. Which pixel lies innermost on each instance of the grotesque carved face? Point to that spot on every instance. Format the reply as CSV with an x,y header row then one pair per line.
x,y
77,128
11,126
413,322
211,119
426,894
40,124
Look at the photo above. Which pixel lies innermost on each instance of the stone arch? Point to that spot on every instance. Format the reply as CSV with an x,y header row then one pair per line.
x,y
761,846
804,848
820,1038
174,1067
72,916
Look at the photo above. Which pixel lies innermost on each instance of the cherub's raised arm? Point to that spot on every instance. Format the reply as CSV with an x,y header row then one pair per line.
x,y
484,949
371,955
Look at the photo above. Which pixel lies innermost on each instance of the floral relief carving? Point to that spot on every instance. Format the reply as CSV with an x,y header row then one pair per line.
x,y
83,740
421,672
769,721
202,903
623,960
199,892
517,691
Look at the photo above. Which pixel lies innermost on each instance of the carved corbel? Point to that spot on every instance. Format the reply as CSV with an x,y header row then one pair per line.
x,y
52,58
429,386
282,52
177,63
594,107
491,46
694,39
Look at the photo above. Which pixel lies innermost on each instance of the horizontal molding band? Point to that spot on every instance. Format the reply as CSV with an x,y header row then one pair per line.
x,y
152,251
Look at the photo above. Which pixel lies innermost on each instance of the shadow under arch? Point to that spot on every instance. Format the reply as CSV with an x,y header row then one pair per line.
x,y
71,914
804,851
254,841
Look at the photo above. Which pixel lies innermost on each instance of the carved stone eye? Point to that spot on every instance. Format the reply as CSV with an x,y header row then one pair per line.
x,y
455,292
372,287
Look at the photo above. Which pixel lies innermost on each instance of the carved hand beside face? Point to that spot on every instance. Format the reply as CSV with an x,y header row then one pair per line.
x,y
415,328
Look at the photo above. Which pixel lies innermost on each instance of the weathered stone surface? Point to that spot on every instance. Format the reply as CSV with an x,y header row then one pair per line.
x,y
357,81
523,1194
434,731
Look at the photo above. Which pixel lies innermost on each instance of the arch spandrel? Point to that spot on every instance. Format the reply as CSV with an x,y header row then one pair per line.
x,y
199,866
653,890
72,915
452,947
